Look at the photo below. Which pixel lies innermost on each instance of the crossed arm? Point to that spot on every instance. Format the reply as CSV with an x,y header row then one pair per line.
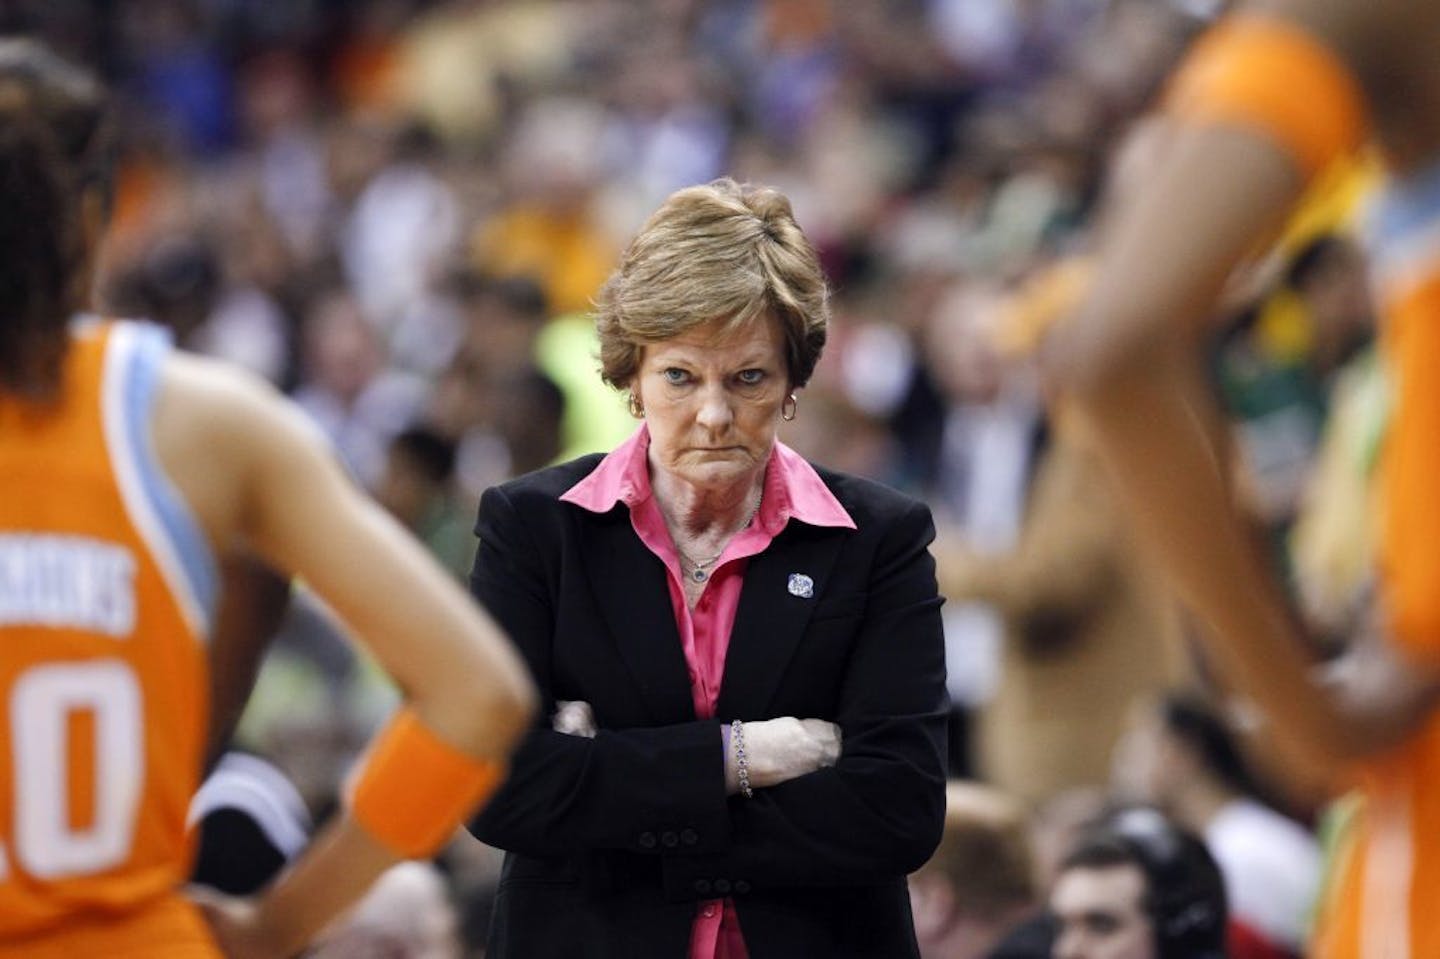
x,y
875,812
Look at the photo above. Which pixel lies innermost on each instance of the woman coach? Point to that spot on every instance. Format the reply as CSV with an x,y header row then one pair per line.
x,y
740,652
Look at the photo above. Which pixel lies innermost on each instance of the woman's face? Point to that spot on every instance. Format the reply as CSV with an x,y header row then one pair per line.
x,y
712,401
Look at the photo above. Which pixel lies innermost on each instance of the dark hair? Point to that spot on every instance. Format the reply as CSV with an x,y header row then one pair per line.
x,y
521,295
175,284
55,146
432,453
1198,726
1184,890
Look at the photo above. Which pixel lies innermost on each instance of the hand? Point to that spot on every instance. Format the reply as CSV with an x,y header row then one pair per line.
x,y
235,924
574,717
778,750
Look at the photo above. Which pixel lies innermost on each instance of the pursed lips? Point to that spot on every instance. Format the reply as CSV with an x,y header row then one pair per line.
x,y
716,452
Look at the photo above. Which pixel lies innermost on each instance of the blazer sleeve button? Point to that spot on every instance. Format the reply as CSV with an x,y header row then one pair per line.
x,y
647,840
741,887
702,886
722,887
669,840
689,837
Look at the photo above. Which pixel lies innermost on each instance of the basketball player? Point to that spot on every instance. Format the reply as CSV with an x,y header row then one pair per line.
x,y
1264,102
126,470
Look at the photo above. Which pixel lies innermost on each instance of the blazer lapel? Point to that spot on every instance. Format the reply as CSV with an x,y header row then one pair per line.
x,y
634,599
772,616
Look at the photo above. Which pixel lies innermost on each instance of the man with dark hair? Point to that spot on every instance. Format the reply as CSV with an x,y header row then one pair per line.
x,y
1179,755
1137,887
416,487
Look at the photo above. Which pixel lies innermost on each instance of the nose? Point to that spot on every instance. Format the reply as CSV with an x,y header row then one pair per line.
x,y
715,413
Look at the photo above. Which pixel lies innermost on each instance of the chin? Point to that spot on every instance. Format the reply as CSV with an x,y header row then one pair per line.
x,y
717,474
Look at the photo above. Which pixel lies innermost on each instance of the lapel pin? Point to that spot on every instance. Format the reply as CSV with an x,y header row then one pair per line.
x,y
801,585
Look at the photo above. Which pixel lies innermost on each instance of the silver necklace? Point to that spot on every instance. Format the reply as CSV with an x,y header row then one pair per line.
x,y
700,570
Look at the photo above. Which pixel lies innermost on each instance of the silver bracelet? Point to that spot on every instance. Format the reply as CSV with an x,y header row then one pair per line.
x,y
742,767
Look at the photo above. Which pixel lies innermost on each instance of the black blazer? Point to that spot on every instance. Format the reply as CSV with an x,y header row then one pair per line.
x,y
611,841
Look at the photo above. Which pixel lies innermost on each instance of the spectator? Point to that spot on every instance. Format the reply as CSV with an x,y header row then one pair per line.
x,y
1137,887
1086,630
1179,755
416,486
981,880
356,401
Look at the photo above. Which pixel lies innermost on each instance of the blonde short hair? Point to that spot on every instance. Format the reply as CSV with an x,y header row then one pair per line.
x,y
722,250
984,852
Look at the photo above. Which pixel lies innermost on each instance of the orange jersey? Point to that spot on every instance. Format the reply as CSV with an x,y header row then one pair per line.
x,y
1384,903
106,586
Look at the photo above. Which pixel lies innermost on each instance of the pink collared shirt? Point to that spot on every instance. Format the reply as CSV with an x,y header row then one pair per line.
x,y
792,490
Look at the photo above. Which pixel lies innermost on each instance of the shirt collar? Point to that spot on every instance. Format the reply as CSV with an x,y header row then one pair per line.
x,y
621,477
792,487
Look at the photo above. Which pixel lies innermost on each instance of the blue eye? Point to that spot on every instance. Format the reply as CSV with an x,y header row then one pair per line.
x,y
750,377
674,376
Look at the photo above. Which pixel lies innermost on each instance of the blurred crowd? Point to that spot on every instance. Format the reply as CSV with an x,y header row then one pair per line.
x,y
398,211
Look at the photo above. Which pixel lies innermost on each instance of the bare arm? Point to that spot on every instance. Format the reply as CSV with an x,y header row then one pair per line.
x,y
253,601
267,480
1130,360
273,485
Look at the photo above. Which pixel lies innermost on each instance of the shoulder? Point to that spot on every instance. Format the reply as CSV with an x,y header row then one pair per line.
x,y
229,440
528,509
208,387
869,502
1369,36
231,411
550,482
538,493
